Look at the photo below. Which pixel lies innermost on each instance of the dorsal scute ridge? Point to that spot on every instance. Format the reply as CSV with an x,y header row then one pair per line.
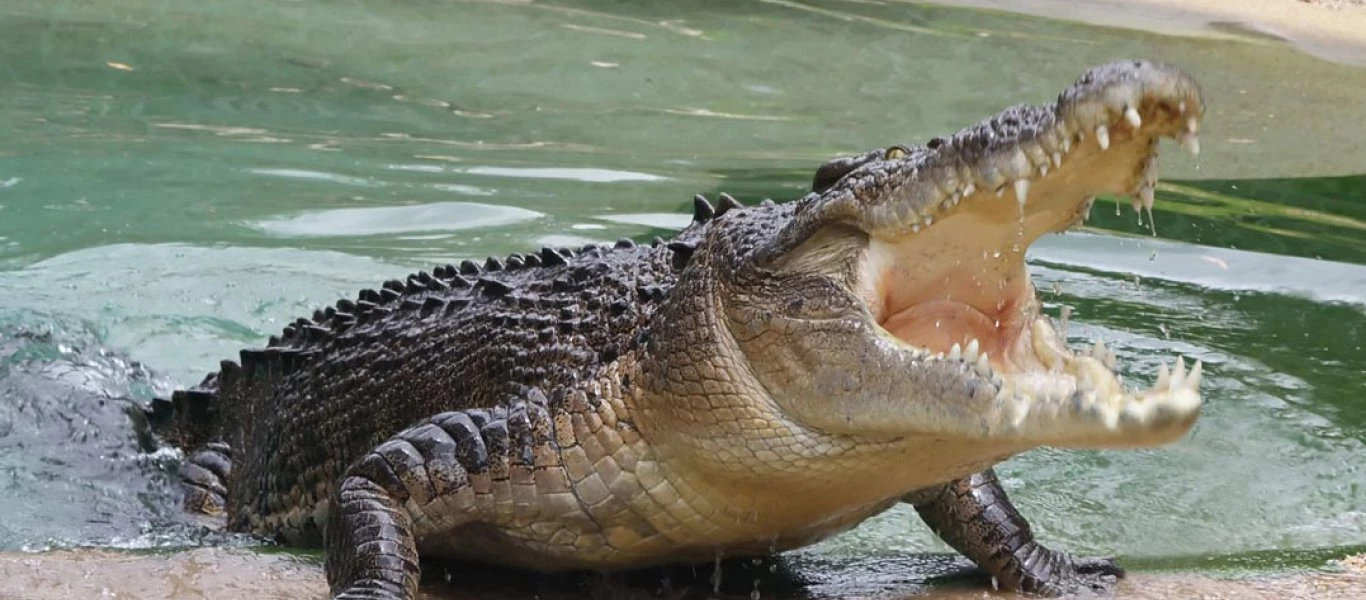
x,y
430,292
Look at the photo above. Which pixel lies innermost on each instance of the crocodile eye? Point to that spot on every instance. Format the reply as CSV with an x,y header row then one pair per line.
x,y
895,153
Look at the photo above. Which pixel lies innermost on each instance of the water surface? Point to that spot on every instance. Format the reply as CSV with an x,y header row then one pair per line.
x,y
178,180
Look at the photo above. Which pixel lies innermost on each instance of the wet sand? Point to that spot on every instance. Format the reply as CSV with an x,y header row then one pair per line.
x,y
1333,30
237,573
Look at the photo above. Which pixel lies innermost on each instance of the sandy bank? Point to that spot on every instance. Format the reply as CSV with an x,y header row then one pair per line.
x,y
1330,29
225,573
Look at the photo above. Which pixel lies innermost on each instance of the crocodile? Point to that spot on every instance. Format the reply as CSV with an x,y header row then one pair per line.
x,y
771,376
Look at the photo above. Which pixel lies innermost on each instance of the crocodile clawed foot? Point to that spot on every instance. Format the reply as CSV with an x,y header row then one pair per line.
x,y
1099,574
1051,573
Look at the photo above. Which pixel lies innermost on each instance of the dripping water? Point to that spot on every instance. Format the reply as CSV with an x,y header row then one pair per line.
x,y
1019,226
716,574
754,584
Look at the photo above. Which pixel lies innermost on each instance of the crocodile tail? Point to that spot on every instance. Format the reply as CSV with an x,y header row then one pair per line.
x,y
190,417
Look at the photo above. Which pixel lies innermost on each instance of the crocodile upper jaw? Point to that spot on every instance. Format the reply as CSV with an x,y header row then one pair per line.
x,y
948,277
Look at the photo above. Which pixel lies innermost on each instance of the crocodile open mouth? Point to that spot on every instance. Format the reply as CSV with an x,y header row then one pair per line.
x,y
950,279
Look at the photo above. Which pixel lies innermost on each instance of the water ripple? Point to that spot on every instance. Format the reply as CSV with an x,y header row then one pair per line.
x,y
439,216
589,175
1207,266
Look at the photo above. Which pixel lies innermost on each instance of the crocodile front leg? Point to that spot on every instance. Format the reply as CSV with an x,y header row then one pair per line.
x,y
974,516
371,552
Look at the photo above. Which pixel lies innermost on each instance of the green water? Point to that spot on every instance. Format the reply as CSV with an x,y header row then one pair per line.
x,y
180,179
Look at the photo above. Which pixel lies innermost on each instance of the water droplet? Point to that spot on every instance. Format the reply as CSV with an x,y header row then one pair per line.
x,y
716,575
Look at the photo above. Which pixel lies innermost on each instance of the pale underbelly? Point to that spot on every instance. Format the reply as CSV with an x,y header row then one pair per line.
x,y
629,542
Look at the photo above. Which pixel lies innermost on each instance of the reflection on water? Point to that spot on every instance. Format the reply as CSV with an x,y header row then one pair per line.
x,y
1210,267
1314,217
442,216
181,179
589,175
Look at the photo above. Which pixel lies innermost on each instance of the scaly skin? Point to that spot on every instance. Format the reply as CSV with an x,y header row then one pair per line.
x,y
772,376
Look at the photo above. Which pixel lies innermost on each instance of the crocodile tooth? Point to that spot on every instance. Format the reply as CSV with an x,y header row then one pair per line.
x,y
1086,204
956,352
1021,190
929,220
1019,409
1001,191
1137,412
1192,125
971,351
969,189
1133,118
1057,159
1164,378
1038,158
1065,144
1043,170
1041,338
1047,140
1103,354
1109,415
1179,373
1181,107
983,364
987,176
1020,164
944,182
1193,378
1191,143
1103,137
915,228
